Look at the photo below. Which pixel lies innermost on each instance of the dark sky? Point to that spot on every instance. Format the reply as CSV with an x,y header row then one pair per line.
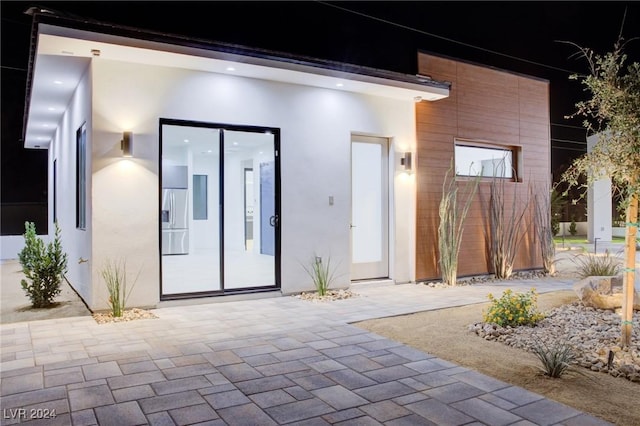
x,y
524,37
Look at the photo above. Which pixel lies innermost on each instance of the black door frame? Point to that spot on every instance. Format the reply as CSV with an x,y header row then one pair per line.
x,y
277,228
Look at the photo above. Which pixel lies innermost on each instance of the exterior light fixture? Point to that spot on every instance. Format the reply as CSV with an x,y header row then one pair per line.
x,y
126,144
406,162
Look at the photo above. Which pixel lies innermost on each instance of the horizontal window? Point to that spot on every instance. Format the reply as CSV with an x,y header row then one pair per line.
x,y
476,160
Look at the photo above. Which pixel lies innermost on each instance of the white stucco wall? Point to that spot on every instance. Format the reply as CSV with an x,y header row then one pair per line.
x,y
316,127
599,221
12,245
75,242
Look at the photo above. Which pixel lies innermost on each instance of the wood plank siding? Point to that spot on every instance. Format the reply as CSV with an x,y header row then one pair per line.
x,y
486,106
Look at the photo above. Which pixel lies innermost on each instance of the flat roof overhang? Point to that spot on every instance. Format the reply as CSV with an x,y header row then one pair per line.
x,y
62,53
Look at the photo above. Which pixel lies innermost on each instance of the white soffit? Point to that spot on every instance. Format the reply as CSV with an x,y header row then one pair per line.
x,y
63,55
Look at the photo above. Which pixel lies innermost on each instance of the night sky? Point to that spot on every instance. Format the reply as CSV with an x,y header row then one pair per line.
x,y
523,37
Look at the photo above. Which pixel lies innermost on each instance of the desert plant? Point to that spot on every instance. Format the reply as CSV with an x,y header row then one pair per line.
x,y
321,274
507,227
513,309
543,221
573,229
451,227
613,112
597,265
557,203
114,274
43,266
555,358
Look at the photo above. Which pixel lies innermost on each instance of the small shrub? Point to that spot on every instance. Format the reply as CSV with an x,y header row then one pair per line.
x,y
321,274
115,278
555,359
43,266
595,265
573,229
513,309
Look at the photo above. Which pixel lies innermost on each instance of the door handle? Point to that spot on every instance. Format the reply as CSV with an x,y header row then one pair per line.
x,y
274,220
351,226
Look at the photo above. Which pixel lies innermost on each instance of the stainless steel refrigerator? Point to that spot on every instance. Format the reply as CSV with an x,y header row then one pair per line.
x,y
175,216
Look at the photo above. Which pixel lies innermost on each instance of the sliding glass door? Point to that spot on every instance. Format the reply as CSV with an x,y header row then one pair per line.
x,y
219,205
249,262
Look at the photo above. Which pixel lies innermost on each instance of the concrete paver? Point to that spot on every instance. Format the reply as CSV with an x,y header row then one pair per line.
x,y
270,361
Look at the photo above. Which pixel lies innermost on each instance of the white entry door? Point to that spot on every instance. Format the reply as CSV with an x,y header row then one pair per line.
x,y
369,208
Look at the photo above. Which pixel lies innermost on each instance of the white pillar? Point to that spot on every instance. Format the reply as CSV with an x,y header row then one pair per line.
x,y
598,204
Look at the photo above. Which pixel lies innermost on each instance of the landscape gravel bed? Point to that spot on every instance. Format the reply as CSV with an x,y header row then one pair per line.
x,y
488,278
328,297
127,315
590,333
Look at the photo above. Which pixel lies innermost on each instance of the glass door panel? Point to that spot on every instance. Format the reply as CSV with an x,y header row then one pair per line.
x,y
249,201
369,208
189,212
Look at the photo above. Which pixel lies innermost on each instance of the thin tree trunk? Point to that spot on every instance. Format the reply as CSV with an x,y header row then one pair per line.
x,y
629,275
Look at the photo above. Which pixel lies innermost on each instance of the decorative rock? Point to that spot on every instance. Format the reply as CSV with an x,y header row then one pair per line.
x,y
480,279
573,324
330,295
127,315
603,292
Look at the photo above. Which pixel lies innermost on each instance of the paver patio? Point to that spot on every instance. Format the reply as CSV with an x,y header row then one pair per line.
x,y
277,360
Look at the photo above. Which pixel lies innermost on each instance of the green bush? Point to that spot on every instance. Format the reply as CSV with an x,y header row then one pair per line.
x,y
573,229
43,266
513,309
115,278
595,265
555,359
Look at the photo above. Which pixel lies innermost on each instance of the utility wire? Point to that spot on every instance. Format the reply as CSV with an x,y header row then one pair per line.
x,y
570,126
13,68
568,141
566,148
406,27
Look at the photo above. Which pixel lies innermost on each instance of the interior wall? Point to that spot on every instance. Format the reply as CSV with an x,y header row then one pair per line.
x,y
316,127
75,242
484,105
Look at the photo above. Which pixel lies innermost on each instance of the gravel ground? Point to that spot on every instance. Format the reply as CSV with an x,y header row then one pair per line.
x,y
127,315
590,333
331,295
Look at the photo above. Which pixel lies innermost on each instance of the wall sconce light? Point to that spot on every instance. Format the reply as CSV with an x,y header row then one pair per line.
x,y
406,162
126,144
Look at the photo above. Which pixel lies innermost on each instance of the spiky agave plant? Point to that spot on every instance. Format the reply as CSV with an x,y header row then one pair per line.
x,y
555,358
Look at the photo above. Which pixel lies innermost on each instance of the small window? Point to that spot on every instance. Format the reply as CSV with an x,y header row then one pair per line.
x,y
81,177
199,197
488,161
